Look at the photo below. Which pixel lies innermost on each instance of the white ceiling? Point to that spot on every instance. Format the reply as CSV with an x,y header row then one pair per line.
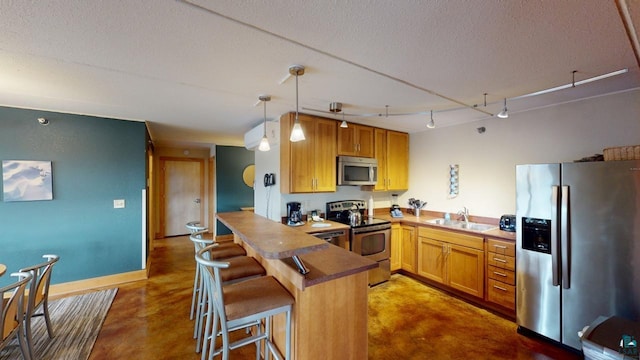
x,y
194,69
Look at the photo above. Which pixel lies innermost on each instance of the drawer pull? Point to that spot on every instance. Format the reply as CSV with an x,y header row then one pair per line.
x,y
499,288
500,260
500,246
500,274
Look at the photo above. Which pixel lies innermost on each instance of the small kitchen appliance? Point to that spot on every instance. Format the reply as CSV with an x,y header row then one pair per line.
x,y
508,223
294,214
395,209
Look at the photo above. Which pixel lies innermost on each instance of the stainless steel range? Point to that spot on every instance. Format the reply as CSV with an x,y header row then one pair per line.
x,y
369,236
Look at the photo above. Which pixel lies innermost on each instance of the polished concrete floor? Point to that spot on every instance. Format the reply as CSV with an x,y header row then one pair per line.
x,y
407,320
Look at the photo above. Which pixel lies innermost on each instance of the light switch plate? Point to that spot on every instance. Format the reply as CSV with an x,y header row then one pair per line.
x,y
118,204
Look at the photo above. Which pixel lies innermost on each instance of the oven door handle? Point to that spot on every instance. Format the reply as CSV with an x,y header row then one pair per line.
x,y
371,228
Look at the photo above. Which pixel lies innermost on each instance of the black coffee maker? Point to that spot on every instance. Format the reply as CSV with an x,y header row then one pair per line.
x,y
294,214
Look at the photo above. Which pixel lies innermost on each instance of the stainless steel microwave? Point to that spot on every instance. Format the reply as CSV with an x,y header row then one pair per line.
x,y
357,170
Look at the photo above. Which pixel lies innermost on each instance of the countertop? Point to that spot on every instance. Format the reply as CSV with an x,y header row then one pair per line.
x,y
333,226
422,221
270,239
279,242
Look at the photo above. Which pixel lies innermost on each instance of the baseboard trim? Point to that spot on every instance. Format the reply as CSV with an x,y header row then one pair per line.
x,y
73,287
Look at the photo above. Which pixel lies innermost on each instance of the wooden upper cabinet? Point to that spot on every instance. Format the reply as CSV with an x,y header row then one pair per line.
x,y
309,165
392,152
397,160
355,140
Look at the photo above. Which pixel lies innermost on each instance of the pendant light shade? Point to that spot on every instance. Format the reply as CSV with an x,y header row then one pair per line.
x,y
264,143
504,113
431,123
344,124
296,133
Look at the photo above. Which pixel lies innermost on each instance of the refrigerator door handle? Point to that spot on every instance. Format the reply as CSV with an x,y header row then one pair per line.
x,y
564,236
554,236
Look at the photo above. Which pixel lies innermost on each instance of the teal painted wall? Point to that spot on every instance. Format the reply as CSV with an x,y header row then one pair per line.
x,y
231,191
94,161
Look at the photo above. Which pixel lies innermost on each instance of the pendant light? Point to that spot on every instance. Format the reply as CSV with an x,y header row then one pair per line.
x,y
336,107
344,124
504,114
431,123
296,133
264,143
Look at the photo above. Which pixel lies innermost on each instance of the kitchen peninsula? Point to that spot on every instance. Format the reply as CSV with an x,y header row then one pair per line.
x,y
329,319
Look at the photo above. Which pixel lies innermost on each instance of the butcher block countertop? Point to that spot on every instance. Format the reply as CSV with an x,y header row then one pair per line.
x,y
271,240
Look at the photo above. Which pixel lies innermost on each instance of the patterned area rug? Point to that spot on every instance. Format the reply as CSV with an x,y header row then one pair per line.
x,y
76,322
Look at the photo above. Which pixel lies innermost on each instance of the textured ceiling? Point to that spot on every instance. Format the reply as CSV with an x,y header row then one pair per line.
x,y
194,70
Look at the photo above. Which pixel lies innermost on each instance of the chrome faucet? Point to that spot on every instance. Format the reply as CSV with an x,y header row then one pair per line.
x,y
465,214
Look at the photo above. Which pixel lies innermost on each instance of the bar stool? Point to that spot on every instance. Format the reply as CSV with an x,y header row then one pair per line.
x,y
244,268
242,305
225,250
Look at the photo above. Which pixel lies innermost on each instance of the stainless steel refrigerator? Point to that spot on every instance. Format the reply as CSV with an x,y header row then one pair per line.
x,y
578,246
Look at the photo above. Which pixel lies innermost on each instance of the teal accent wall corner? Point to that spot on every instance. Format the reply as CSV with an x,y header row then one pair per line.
x,y
94,161
231,191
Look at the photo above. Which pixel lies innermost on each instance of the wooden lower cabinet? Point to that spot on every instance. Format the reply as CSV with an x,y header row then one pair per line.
x,y
431,259
409,248
396,247
501,279
453,259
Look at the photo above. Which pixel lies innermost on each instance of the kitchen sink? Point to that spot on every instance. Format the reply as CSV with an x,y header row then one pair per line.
x,y
457,224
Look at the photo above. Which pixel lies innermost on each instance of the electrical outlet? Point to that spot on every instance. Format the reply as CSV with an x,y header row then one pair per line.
x,y
118,204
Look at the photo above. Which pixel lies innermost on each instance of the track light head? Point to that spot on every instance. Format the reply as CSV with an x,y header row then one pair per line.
x,y
504,113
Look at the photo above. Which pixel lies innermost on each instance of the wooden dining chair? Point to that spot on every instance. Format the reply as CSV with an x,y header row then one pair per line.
x,y
38,296
12,298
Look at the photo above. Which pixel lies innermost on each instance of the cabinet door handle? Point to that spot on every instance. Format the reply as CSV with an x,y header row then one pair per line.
x,y
499,288
500,274
500,246
500,260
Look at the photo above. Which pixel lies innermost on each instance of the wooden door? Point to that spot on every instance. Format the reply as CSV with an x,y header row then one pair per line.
x,y
409,248
431,259
466,269
398,160
324,156
181,194
396,246
380,146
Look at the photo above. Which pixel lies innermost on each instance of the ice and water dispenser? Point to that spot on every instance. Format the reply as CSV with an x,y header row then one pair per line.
x,y
536,235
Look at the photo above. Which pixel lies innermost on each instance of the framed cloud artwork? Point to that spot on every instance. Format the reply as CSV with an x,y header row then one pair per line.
x,y
26,180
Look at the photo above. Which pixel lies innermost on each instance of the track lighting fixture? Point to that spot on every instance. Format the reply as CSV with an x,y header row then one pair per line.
x,y
431,123
504,113
296,133
264,143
